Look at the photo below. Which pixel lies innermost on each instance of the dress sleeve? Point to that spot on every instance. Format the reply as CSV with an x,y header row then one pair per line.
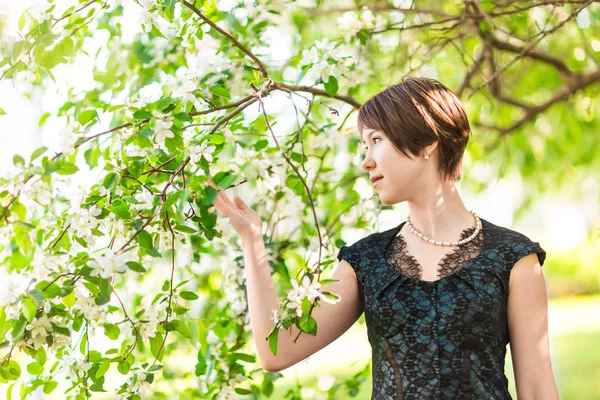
x,y
524,246
350,254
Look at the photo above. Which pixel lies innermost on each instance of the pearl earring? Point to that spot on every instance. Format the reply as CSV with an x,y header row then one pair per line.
x,y
426,156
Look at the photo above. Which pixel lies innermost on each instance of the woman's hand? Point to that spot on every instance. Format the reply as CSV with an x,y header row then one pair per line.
x,y
246,222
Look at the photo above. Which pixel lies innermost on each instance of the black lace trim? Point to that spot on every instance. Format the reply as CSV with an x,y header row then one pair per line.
x,y
398,256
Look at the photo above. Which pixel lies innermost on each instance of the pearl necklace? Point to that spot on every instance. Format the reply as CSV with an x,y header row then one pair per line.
x,y
447,244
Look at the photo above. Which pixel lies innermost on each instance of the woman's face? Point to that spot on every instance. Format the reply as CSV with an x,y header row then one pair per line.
x,y
401,175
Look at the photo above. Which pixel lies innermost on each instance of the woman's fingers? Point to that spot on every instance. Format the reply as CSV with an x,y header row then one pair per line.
x,y
222,202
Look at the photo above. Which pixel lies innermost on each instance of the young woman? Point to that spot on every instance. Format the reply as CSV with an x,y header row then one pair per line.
x,y
443,292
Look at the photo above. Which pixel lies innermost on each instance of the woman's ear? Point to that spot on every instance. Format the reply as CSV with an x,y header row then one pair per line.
x,y
431,148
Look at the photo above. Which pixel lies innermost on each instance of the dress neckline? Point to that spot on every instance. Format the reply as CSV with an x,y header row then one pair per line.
x,y
396,232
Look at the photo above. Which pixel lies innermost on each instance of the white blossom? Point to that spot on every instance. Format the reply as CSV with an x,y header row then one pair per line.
x,y
73,363
162,130
309,56
146,198
351,22
40,328
204,149
67,137
185,91
39,11
108,264
86,303
12,286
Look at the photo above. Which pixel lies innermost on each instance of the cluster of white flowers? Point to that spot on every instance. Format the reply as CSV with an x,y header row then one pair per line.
x,y
15,178
40,328
82,221
319,56
228,392
102,191
153,315
40,12
162,130
196,151
351,22
67,137
233,280
12,286
40,191
136,383
85,302
73,364
44,267
145,198
308,290
108,264
149,15
132,150
184,83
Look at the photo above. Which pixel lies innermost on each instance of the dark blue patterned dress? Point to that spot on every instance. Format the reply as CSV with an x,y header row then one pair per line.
x,y
442,339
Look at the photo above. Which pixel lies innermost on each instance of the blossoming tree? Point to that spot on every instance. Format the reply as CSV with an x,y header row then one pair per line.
x,y
127,273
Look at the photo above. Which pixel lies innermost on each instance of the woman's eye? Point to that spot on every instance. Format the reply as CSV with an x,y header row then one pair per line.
x,y
376,138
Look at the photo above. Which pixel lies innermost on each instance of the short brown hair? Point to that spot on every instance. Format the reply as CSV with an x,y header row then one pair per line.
x,y
416,113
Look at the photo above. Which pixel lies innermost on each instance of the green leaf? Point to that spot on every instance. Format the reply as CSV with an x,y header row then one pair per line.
x,y
38,152
244,357
181,327
94,356
35,368
43,119
2,112
185,229
104,367
50,386
87,116
156,32
331,86
18,161
11,371
273,338
123,367
142,114
66,168
188,295
330,295
183,117
112,331
50,290
242,391
110,180
22,21
29,309
69,300
171,199
308,324
145,240
40,356
155,343
306,305
37,296
135,266
105,290
220,91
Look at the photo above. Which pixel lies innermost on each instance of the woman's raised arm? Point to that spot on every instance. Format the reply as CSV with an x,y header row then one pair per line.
x,y
332,319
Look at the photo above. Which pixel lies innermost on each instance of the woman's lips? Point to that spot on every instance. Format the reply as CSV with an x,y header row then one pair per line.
x,y
377,181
